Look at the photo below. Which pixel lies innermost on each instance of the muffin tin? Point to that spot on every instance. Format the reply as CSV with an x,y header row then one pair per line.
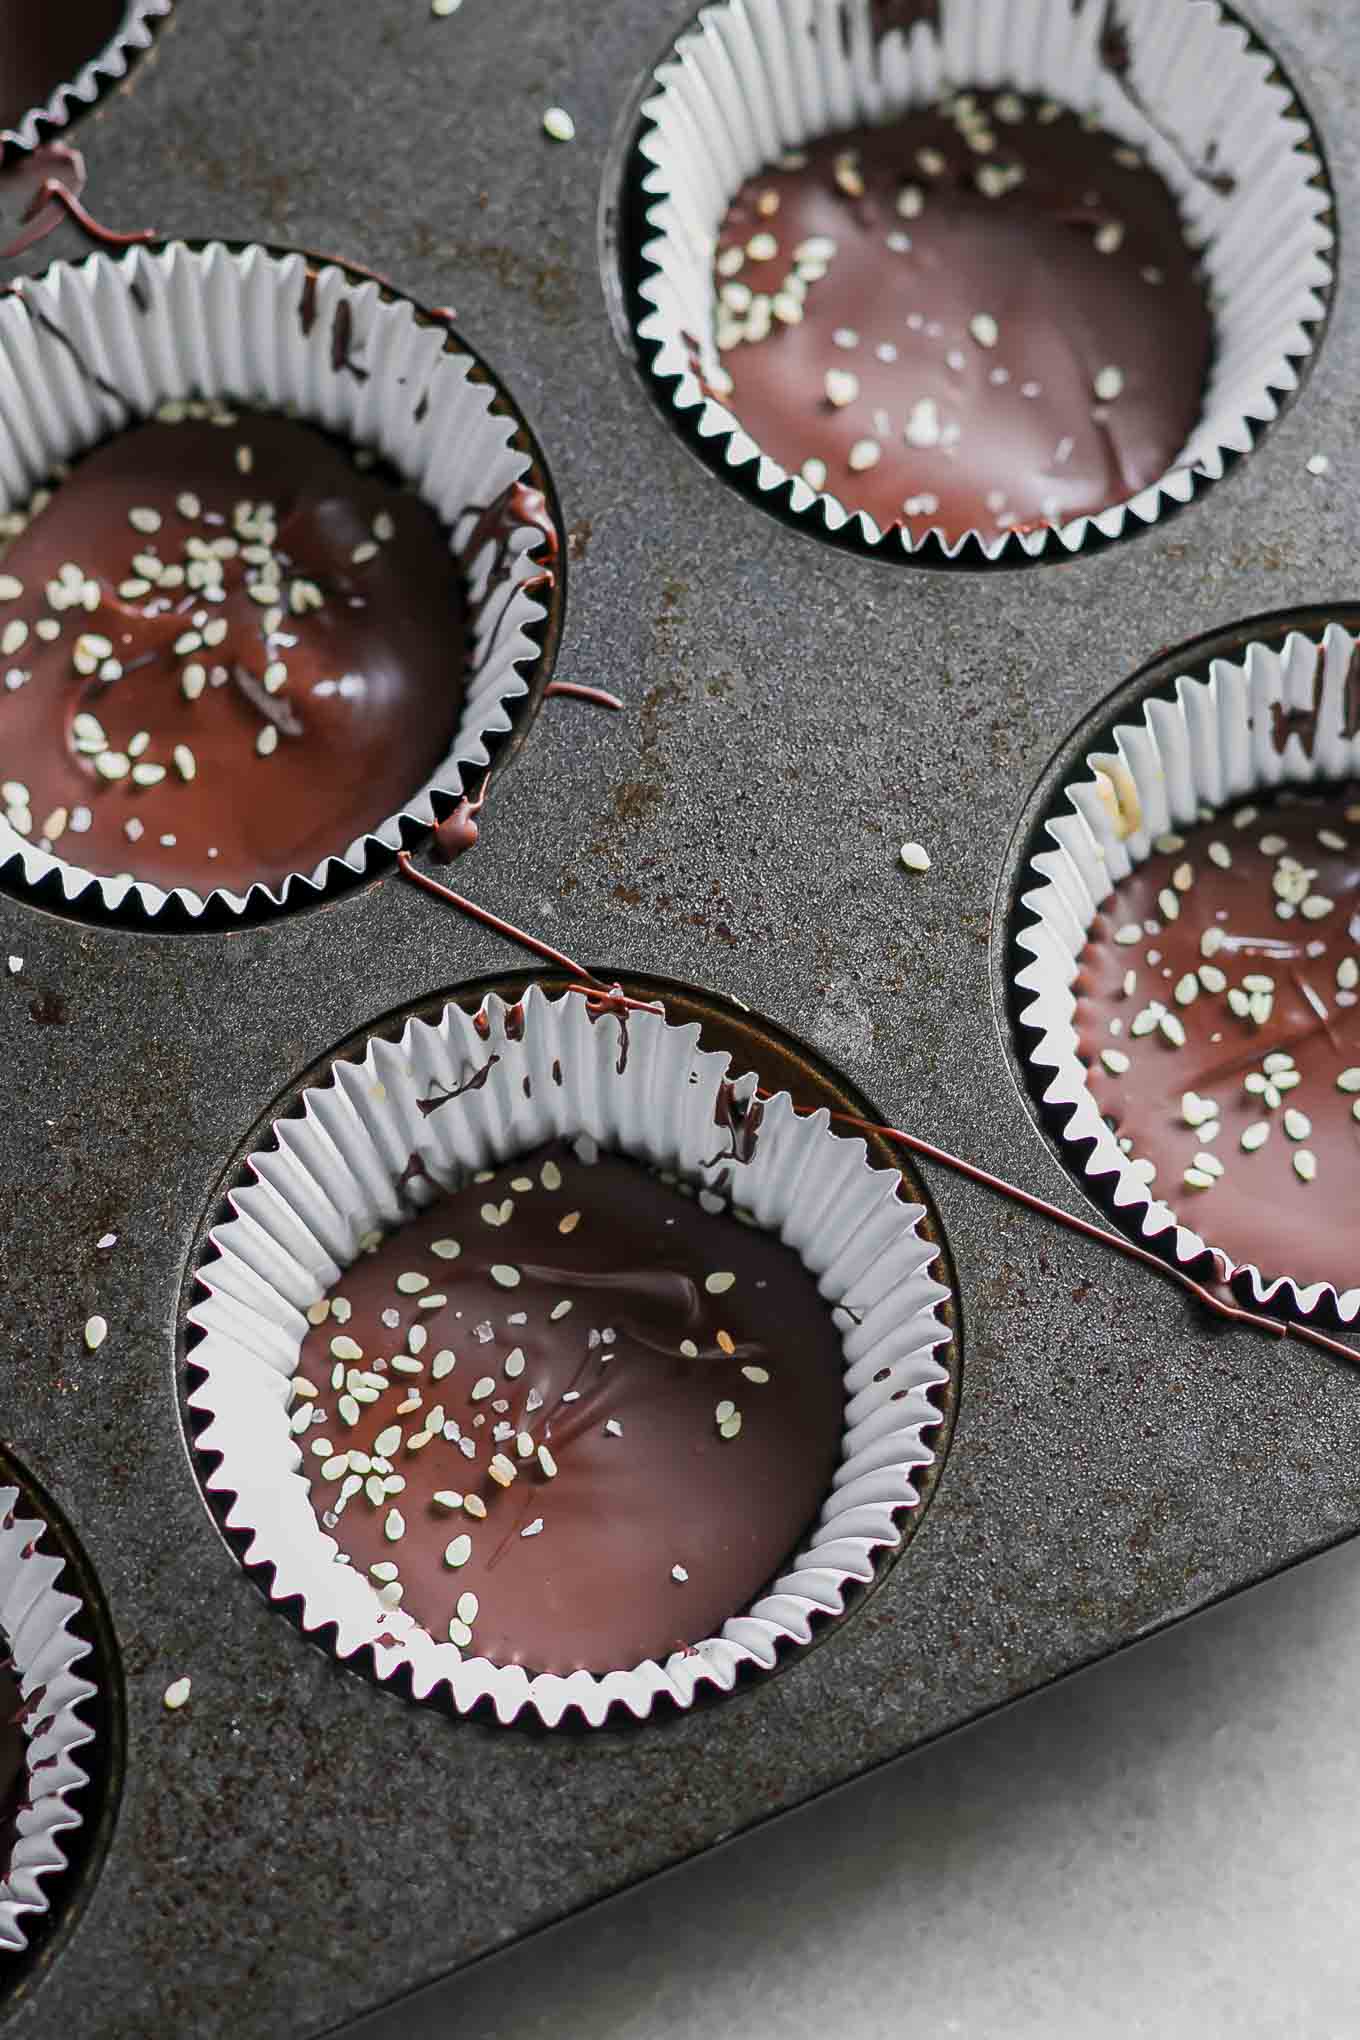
x,y
293,1837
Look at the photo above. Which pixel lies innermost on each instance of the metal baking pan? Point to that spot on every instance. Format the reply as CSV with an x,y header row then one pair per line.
x,y
296,1848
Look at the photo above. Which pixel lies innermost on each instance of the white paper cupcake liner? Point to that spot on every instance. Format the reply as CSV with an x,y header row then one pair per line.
x,y
1211,747
35,1617
89,349
330,1177
752,79
105,68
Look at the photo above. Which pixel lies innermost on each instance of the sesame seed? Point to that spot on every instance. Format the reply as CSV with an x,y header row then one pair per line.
x,y
1108,384
865,453
915,857
506,1276
96,1331
459,1551
268,740
483,1388
842,387
1349,1080
175,1694
731,1426
547,1462
502,1470
144,520
923,427
679,1574
756,1374
724,1410
984,329
814,473
1305,1165
394,1526
345,1348
447,1250
558,125
560,1310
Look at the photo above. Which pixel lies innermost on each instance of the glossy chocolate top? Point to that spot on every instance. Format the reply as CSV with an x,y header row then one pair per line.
x,y
226,651
606,1414
1218,1008
984,317
44,43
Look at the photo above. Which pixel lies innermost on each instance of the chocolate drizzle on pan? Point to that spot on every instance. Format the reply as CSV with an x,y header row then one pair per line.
x,y
1212,1296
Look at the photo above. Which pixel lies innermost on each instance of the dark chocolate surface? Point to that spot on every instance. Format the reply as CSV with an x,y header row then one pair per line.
x,y
342,650
983,317
793,713
636,1410
1225,971
44,43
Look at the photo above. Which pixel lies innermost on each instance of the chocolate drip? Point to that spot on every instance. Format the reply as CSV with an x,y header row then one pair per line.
x,y
425,1106
342,342
1303,722
1116,54
740,1119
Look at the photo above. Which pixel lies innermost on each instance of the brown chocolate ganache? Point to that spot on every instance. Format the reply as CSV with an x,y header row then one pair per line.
x,y
983,317
607,1415
44,43
1249,1120
225,652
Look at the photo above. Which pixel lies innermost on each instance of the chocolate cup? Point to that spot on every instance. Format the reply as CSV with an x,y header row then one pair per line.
x,y
41,1621
252,1319
103,68
739,86
113,339
1206,742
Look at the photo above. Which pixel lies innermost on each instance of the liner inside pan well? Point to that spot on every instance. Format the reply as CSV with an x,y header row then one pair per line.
x,y
102,1758
1070,766
635,188
102,64
90,412
753,1043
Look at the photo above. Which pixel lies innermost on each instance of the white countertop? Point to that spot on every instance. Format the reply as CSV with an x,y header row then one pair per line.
x,y
1166,1846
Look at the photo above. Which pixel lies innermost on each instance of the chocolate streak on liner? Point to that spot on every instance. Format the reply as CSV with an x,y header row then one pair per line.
x,y
1303,722
16,290
1116,54
616,1000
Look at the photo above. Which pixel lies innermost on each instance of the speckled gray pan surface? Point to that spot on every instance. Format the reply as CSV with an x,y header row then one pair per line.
x,y
296,1847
